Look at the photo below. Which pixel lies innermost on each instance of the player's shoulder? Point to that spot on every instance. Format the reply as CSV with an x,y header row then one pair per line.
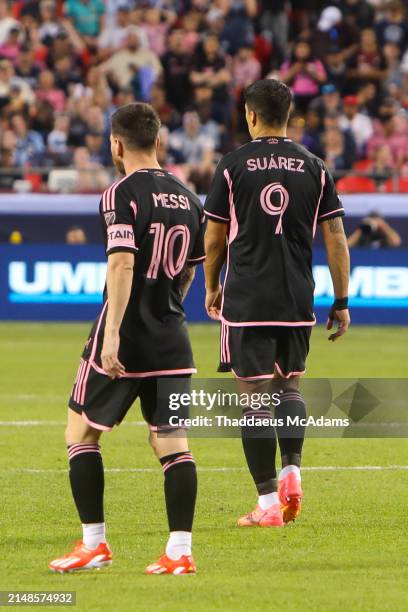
x,y
234,157
178,183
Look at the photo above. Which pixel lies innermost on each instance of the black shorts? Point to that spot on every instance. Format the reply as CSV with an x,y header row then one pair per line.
x,y
104,402
262,352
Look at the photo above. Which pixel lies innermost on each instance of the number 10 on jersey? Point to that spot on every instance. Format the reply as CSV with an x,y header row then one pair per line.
x,y
164,249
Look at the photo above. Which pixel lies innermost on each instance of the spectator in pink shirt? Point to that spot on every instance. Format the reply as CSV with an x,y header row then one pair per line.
x,y
155,25
246,68
390,130
47,91
191,25
304,74
11,47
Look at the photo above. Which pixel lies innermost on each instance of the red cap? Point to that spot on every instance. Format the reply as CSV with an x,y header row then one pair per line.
x,y
350,100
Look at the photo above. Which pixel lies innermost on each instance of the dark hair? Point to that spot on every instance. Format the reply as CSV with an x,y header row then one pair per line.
x,y
137,124
270,99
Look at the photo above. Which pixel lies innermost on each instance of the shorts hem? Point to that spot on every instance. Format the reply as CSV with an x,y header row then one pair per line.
x,y
268,323
151,374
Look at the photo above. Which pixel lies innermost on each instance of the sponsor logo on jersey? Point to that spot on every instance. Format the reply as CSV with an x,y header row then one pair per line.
x,y
171,200
110,218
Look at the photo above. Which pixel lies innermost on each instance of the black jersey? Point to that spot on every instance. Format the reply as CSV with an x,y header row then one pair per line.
x,y
152,214
273,193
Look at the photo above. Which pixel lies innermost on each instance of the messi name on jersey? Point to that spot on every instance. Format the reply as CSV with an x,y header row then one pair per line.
x,y
171,200
292,164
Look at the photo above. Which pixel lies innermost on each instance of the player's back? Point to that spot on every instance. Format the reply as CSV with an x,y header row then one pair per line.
x,y
152,214
273,192
166,220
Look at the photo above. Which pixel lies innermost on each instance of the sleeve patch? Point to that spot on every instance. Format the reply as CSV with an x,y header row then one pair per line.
x,y
121,236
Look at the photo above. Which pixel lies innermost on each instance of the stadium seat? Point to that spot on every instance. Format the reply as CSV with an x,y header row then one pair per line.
x,y
399,185
362,165
356,184
62,180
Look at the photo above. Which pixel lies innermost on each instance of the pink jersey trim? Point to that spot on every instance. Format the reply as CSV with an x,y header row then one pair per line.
x,y
322,181
80,390
225,350
147,374
290,374
133,206
95,425
266,323
196,258
233,230
108,197
331,213
216,216
259,377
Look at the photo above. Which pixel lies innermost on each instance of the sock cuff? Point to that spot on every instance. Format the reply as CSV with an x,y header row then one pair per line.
x,y
291,395
171,461
79,449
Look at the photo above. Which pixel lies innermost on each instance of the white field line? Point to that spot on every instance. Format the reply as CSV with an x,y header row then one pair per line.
x,y
317,468
53,423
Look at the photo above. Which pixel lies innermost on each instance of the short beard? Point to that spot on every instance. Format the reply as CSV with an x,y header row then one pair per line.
x,y
119,166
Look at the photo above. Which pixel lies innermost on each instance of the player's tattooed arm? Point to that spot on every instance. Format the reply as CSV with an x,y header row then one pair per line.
x,y
186,278
337,255
335,226
339,264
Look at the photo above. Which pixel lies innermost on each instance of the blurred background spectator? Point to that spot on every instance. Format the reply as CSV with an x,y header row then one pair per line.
x,y
76,235
66,66
374,232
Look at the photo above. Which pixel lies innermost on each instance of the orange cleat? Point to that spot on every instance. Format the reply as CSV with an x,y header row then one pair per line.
x,y
272,517
165,565
83,558
290,496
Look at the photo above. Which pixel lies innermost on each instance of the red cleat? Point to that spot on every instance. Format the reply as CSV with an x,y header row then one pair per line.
x,y
82,558
165,565
272,517
290,496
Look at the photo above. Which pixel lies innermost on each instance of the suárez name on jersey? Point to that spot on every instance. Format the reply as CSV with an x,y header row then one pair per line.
x,y
171,200
273,162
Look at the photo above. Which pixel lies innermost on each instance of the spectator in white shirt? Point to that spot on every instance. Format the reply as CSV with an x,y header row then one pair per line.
x,y
359,124
195,149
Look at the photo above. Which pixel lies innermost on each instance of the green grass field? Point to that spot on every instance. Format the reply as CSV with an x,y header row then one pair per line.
x,y
347,552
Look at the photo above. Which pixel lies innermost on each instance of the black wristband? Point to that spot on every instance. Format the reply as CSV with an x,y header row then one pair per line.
x,y
340,303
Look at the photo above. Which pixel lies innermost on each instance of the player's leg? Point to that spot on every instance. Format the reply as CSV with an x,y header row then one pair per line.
x,y
86,477
292,350
259,444
97,404
87,485
252,351
180,483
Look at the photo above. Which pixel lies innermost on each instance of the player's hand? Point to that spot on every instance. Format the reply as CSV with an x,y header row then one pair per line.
x,y
109,356
213,303
342,317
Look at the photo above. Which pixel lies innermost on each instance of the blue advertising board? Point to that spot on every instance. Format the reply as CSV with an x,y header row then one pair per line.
x,y
65,283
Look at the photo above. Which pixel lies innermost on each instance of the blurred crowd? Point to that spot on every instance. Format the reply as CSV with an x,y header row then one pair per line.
x,y
66,66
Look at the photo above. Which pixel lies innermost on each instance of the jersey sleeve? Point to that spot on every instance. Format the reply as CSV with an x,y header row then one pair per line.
x,y
197,254
330,203
216,206
119,215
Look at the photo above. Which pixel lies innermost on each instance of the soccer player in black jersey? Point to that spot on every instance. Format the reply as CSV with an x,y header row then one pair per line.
x,y
154,236
263,209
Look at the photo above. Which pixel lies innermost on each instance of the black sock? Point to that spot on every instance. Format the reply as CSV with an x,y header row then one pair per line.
x,y
291,437
259,444
180,489
87,481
